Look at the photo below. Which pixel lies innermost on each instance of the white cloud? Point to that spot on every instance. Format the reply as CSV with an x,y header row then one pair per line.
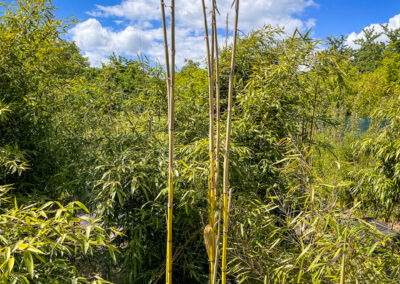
x,y
97,42
283,12
96,58
137,10
394,23
143,33
310,23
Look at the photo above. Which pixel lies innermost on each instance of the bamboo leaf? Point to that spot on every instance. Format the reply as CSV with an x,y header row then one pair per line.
x,y
29,263
10,264
82,206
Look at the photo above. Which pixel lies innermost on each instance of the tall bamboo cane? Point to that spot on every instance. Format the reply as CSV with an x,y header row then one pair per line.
x,y
217,103
218,134
170,74
211,180
227,146
226,30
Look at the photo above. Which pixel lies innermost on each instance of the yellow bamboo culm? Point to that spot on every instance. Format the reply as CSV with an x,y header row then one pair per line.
x,y
342,269
218,140
170,79
211,180
217,101
227,146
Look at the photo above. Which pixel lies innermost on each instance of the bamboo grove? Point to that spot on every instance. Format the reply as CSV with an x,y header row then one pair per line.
x,y
211,239
274,159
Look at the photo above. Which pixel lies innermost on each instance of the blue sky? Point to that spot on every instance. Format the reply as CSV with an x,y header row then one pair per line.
x,y
334,17
129,27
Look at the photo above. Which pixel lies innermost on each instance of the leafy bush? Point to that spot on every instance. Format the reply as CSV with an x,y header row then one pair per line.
x,y
41,243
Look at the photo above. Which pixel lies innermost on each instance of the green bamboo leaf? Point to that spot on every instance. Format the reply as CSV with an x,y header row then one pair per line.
x,y
85,246
304,252
372,248
34,250
82,206
28,259
7,253
10,264
87,233
112,253
47,204
25,279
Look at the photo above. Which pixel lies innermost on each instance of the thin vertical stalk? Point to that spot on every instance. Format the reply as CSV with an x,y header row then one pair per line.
x,y
217,103
214,279
227,147
218,136
171,141
211,180
170,80
342,268
168,74
226,30
313,118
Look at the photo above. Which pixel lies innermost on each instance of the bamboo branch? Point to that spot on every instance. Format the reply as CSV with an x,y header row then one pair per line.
x,y
227,147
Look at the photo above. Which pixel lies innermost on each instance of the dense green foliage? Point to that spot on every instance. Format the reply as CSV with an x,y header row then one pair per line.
x,y
302,172
40,240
